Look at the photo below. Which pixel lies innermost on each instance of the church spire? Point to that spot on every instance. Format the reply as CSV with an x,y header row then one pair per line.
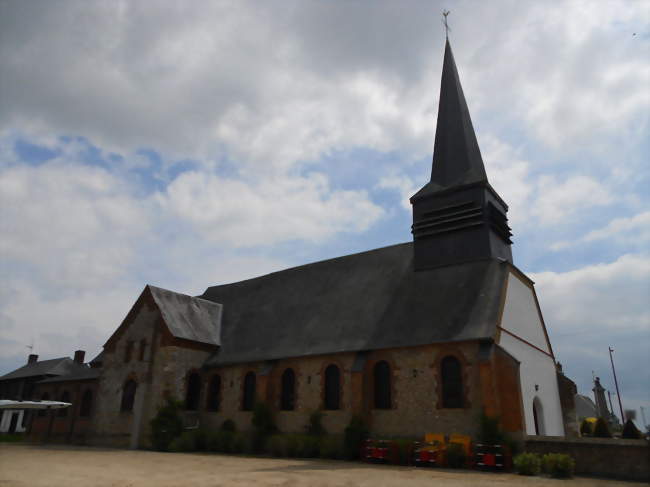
x,y
457,158
457,215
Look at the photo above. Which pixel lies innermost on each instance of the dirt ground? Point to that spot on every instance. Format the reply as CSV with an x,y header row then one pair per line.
x,y
65,466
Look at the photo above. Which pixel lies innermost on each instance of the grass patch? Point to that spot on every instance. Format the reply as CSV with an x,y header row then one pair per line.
x,y
11,437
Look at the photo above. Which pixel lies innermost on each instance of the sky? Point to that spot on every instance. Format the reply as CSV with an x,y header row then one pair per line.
x,y
187,144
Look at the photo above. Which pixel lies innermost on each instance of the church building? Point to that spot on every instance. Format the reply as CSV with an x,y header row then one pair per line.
x,y
418,337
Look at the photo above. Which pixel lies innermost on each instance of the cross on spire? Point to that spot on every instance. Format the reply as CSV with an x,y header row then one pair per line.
x,y
447,29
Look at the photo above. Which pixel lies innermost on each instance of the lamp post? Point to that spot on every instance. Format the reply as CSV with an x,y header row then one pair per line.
x,y
618,393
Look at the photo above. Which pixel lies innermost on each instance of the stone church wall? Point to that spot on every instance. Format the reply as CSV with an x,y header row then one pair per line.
x,y
112,426
415,394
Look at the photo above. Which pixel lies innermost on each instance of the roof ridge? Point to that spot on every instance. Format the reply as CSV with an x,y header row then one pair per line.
x,y
301,266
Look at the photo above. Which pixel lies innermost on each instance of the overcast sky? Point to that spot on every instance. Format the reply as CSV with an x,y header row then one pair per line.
x,y
186,144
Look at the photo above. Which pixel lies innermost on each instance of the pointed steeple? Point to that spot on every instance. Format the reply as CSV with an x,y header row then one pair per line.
x,y
456,156
457,215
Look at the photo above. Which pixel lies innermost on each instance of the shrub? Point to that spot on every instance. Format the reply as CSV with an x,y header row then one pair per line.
x,y
405,450
630,431
601,429
558,465
292,446
456,455
264,426
315,425
355,433
276,445
11,437
186,442
166,425
263,419
228,425
527,464
490,432
241,443
331,447
585,428
220,441
309,446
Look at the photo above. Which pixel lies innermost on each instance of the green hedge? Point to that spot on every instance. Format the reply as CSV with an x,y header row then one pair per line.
x,y
167,425
558,465
527,464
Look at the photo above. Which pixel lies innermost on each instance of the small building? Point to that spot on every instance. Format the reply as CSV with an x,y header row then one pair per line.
x,y
20,385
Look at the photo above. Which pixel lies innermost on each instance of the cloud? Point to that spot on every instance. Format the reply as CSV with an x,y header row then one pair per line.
x,y
589,309
633,230
279,85
243,214
67,226
81,239
559,199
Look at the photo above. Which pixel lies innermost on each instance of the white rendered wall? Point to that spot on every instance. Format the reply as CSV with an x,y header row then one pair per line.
x,y
521,318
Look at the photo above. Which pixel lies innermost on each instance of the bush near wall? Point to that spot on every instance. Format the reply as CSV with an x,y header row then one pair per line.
x,y
558,465
527,464
355,434
167,425
601,429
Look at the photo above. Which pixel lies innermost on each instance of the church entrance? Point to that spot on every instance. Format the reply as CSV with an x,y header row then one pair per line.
x,y
538,416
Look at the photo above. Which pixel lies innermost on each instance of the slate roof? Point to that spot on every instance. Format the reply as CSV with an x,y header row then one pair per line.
x,y
189,317
81,373
55,366
457,158
371,300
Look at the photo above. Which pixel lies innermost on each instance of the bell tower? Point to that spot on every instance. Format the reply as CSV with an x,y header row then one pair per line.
x,y
457,215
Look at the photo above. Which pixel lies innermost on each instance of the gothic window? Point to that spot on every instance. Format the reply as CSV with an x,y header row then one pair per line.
x,y
214,393
128,395
143,348
332,387
193,392
248,401
86,404
452,382
44,397
65,397
128,350
381,376
288,396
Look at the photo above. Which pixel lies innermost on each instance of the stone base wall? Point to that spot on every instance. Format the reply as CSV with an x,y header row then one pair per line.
x,y
600,457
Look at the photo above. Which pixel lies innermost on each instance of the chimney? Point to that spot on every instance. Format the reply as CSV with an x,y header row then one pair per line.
x,y
32,358
79,356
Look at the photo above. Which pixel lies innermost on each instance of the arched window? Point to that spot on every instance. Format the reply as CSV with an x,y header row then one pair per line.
x,y
288,396
381,376
128,395
452,382
248,401
332,387
44,397
214,393
193,392
65,397
86,404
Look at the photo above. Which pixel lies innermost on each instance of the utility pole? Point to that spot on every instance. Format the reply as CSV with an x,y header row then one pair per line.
x,y
618,393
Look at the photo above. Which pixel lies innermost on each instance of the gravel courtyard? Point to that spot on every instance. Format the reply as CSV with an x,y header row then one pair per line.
x,y
66,466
